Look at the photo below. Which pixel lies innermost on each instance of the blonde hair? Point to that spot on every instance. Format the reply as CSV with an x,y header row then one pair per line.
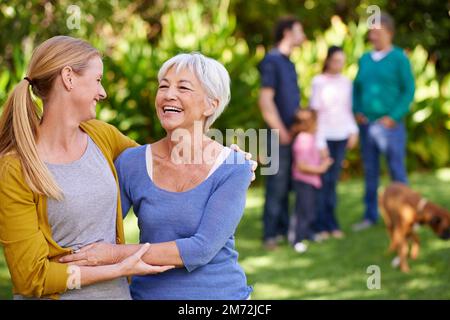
x,y
21,116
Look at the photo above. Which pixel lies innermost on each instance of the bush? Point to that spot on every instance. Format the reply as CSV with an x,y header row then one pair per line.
x,y
132,62
428,123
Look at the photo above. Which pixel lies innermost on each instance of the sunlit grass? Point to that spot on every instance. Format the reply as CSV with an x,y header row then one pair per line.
x,y
335,269
131,228
443,174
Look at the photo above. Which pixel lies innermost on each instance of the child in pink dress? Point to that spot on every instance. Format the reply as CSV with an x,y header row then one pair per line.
x,y
309,162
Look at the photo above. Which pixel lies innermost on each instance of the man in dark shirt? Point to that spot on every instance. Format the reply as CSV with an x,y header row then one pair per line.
x,y
279,100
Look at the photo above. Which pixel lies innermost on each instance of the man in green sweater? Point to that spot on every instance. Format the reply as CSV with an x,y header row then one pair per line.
x,y
382,93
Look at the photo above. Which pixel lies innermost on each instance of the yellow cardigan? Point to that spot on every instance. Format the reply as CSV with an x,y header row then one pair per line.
x,y
30,251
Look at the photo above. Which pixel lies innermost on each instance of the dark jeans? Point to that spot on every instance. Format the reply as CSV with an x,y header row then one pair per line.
x,y
395,156
276,207
326,216
305,210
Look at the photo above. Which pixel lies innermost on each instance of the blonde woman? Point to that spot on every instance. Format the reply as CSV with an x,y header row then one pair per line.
x,y
58,184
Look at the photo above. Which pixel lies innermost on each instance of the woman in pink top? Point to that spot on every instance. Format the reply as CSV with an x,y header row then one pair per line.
x,y
332,98
309,162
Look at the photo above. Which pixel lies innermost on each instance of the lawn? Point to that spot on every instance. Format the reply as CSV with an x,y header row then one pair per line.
x,y
335,269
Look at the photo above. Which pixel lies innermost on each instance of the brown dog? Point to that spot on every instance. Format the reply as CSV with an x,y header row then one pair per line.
x,y
402,209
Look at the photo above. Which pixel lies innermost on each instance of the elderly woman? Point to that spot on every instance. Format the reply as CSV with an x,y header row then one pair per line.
x,y
188,196
58,183
59,187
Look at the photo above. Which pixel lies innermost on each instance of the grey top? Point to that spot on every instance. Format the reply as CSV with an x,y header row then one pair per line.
x,y
86,215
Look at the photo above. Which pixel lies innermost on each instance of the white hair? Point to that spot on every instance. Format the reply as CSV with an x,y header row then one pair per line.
x,y
212,75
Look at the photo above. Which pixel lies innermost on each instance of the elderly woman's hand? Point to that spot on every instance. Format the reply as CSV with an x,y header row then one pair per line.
x,y
248,156
134,265
95,254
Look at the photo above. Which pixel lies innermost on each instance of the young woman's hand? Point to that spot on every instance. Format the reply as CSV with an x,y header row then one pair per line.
x,y
248,156
95,254
352,141
134,265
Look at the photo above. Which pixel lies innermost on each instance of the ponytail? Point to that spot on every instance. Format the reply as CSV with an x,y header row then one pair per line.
x,y
18,132
21,115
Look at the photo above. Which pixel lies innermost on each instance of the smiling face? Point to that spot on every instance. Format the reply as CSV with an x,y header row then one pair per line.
x,y
88,89
181,100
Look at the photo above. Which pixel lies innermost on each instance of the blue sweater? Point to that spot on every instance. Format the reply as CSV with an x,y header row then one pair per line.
x,y
201,220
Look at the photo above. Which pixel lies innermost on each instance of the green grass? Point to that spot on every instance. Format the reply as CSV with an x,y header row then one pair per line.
x,y
335,269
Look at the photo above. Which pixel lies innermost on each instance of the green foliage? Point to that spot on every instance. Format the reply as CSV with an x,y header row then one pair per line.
x,y
134,63
428,124
429,119
125,33
424,22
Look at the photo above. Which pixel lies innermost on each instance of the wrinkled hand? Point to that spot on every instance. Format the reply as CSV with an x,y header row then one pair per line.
x,y
95,254
134,265
388,122
248,156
